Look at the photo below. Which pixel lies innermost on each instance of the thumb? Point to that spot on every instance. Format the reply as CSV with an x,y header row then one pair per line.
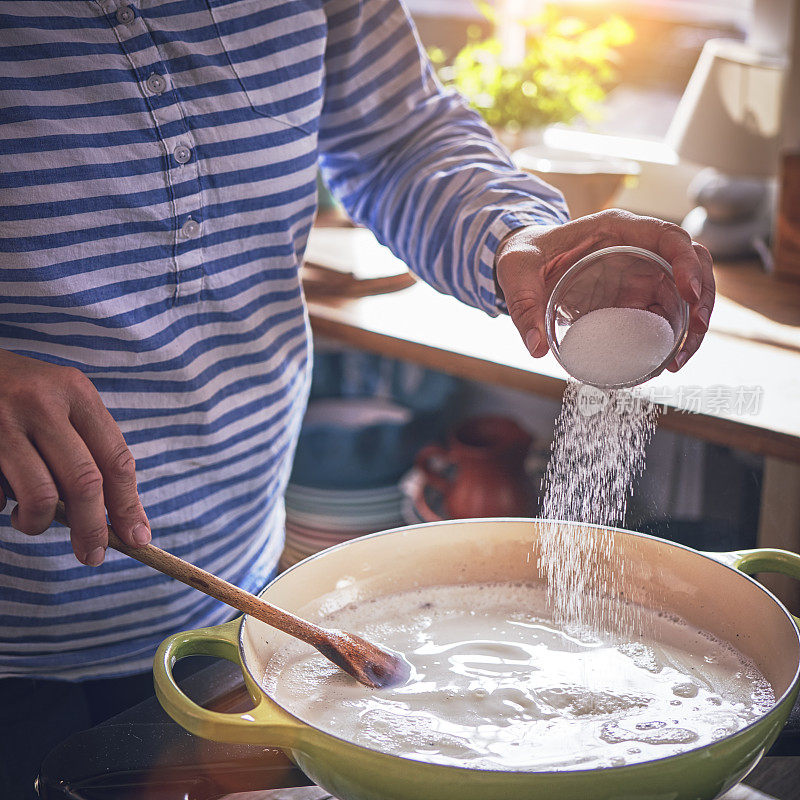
x,y
523,286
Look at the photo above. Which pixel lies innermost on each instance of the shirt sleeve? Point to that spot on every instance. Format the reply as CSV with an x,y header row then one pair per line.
x,y
412,162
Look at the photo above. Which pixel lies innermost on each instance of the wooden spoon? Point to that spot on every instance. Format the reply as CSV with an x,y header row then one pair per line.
x,y
374,666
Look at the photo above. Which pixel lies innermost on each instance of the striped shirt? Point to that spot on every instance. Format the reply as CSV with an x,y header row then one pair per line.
x,y
157,185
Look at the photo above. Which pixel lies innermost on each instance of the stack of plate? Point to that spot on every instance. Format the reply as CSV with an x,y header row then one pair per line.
x,y
421,503
320,518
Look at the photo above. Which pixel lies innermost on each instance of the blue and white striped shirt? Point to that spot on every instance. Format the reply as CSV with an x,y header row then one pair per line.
x,y
157,186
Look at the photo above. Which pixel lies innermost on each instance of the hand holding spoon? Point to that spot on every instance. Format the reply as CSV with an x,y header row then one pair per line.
x,y
374,666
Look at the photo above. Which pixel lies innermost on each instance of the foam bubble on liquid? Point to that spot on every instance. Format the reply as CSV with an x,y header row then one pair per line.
x,y
612,346
579,701
643,656
614,734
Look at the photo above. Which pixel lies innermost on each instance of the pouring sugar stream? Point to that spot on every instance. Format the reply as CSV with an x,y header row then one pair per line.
x,y
614,320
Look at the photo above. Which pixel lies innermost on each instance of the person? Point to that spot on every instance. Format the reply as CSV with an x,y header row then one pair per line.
x,y
158,164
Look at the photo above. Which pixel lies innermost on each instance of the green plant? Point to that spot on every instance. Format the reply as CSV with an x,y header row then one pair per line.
x,y
566,70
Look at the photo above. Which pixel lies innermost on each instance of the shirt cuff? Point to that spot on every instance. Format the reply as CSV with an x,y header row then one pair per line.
x,y
491,296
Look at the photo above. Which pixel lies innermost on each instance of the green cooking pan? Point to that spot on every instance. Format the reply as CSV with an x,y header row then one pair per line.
x,y
712,591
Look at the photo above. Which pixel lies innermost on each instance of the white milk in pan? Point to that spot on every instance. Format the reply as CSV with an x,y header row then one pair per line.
x,y
497,686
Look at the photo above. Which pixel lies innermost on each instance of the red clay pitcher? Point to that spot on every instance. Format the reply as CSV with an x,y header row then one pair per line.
x,y
481,473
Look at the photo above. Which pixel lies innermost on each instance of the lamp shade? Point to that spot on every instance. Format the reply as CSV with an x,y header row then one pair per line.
x,y
730,114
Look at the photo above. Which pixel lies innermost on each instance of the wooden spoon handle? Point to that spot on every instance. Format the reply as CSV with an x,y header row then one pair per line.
x,y
212,585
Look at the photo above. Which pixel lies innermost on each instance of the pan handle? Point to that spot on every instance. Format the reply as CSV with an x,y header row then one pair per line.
x,y
266,724
765,559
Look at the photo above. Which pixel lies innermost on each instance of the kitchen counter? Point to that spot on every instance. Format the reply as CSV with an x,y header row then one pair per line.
x,y
753,342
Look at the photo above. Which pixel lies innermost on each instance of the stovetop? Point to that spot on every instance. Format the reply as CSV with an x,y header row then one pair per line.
x,y
142,754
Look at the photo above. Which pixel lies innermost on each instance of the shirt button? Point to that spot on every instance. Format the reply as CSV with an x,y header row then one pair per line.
x,y
182,153
156,83
190,229
125,15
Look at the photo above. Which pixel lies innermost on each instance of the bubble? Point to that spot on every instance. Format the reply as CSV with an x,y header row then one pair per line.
x,y
642,656
670,736
649,726
583,702
687,689
611,733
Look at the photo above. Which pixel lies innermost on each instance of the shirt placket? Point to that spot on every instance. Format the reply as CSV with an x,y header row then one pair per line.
x,y
178,147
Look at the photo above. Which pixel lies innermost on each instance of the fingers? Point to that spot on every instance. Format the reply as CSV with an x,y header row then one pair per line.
x,y
60,440
692,268
686,352
31,482
116,464
524,290
670,241
675,245
527,312
81,485
701,311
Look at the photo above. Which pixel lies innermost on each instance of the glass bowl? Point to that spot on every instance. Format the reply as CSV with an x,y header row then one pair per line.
x,y
621,277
